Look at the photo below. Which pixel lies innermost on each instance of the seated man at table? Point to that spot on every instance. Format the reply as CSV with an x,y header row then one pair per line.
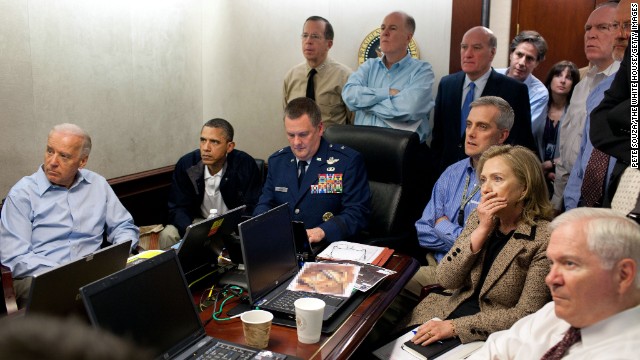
x,y
595,286
325,184
456,192
61,212
216,176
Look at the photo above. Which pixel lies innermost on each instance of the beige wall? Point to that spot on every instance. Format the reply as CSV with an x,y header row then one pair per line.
x,y
142,75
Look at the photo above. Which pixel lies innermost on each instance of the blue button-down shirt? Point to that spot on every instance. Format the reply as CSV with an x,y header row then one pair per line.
x,y
367,93
538,96
45,225
572,193
446,199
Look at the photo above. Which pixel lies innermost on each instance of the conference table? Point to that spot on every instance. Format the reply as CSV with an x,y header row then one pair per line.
x,y
340,344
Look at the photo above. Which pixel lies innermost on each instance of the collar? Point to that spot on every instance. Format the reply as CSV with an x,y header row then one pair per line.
x,y
44,184
611,69
525,232
482,80
406,59
318,68
208,175
611,326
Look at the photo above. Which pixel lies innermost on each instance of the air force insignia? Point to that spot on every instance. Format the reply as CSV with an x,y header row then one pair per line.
x,y
332,161
331,168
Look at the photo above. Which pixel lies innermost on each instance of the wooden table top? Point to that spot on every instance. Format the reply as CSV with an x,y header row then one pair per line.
x,y
344,341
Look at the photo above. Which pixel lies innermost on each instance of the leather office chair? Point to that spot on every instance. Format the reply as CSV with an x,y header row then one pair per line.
x,y
392,161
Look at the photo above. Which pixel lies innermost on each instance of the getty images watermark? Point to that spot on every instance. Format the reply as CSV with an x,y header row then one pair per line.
x,y
634,84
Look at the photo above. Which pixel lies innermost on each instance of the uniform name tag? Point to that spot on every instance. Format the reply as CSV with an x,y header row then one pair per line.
x,y
281,189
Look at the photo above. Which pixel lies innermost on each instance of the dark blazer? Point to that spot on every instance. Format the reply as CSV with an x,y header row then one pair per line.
x,y
240,185
346,209
514,286
447,144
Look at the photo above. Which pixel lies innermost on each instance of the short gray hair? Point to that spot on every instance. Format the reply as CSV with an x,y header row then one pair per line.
x,y
610,235
506,115
75,130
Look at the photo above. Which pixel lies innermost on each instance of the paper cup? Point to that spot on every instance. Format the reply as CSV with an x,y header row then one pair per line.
x,y
256,325
309,313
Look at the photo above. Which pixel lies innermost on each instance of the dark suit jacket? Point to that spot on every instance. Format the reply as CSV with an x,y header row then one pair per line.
x,y
349,206
514,286
447,144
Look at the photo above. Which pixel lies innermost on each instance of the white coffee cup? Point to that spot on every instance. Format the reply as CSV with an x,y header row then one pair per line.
x,y
256,325
309,312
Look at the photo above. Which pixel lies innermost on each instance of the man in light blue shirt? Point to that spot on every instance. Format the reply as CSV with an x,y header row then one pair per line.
x,y
393,91
61,212
573,193
528,49
456,193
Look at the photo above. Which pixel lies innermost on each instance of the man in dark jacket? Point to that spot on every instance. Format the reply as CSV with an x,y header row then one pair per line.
x,y
216,176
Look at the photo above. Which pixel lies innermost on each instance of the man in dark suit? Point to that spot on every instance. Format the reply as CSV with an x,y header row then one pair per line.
x,y
477,50
325,184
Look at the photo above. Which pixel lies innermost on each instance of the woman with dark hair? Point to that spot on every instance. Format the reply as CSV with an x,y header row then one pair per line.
x,y
561,80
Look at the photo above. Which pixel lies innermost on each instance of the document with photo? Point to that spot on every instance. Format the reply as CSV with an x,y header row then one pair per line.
x,y
326,278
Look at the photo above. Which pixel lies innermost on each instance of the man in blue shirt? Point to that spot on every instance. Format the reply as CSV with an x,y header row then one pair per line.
x,y
456,193
527,50
393,91
61,212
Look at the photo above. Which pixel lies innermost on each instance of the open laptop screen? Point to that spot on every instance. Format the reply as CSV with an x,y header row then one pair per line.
x,y
148,303
268,250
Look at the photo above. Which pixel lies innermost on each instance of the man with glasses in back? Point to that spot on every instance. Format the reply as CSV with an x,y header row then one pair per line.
x,y
319,78
598,46
611,120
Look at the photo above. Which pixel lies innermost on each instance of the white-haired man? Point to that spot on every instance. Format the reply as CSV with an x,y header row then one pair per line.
x,y
595,287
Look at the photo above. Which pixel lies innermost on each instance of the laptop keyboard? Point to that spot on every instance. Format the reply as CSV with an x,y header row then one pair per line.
x,y
226,352
284,301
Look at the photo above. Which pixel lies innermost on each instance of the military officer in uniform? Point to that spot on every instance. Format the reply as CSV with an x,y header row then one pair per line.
x,y
325,184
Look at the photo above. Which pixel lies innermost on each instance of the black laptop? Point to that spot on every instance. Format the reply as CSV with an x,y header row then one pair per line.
x,y
271,262
56,291
151,305
198,251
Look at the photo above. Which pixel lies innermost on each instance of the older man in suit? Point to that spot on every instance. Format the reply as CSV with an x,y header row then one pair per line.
x,y
457,91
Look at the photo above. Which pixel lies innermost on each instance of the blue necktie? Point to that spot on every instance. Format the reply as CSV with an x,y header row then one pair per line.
x,y
465,108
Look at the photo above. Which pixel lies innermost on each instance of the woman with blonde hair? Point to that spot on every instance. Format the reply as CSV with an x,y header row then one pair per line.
x,y
495,270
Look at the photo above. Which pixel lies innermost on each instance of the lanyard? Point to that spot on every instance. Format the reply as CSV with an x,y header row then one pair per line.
x,y
466,199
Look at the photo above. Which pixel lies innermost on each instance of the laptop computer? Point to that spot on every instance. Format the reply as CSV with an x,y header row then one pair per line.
x,y
56,291
271,262
203,241
151,305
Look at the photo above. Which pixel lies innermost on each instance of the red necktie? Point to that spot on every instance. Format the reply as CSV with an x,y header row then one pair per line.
x,y
594,178
571,337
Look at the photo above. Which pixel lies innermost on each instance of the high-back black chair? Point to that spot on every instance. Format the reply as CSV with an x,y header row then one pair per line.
x,y
392,161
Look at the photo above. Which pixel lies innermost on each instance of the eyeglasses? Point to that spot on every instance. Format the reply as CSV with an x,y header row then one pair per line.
x,y
600,27
625,26
313,37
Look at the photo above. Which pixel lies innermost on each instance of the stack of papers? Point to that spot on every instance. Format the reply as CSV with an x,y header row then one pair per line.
x,y
366,254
